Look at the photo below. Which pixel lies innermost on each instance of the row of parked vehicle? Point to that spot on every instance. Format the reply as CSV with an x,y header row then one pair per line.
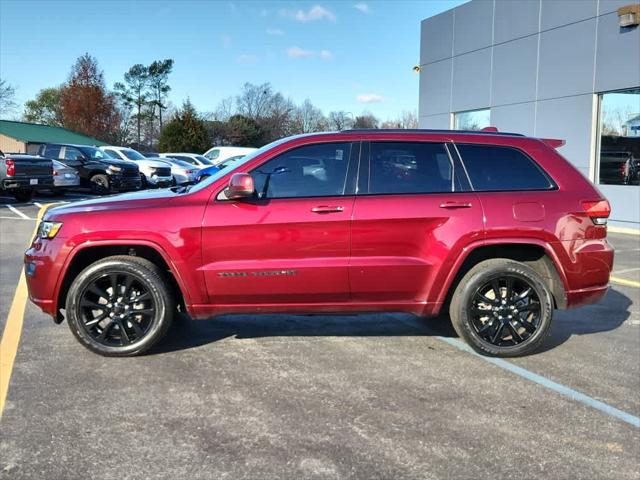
x,y
108,169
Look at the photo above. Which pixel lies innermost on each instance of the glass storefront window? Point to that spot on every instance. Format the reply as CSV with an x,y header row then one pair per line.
x,y
619,123
472,120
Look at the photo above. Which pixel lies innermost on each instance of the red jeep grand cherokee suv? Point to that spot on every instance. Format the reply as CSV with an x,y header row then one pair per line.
x,y
498,229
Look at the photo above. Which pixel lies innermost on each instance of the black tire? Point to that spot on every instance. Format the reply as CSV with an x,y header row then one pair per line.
x,y
203,178
507,324
23,195
100,184
143,182
124,333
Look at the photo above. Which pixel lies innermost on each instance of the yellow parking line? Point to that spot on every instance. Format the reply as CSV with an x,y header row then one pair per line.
x,y
625,282
13,328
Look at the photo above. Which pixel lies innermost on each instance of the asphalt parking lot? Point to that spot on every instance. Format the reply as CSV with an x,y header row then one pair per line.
x,y
360,396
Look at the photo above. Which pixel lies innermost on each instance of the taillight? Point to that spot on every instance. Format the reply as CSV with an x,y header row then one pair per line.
x,y
54,172
597,210
11,167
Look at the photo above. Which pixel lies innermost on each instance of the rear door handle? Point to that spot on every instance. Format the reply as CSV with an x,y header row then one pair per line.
x,y
327,209
455,205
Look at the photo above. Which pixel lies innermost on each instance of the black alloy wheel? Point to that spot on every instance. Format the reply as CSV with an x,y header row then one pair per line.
x,y
120,306
505,311
117,309
502,308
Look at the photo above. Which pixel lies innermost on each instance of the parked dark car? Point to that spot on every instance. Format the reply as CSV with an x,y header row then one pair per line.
x,y
21,175
619,168
97,169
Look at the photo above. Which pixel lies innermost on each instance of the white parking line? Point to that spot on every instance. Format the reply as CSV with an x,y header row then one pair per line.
x,y
39,205
18,212
628,270
15,218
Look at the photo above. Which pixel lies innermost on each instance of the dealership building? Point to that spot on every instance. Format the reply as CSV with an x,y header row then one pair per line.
x,y
566,69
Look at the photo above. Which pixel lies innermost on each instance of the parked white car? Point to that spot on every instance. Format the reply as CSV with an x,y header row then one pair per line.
x,y
64,177
154,172
220,154
192,158
182,172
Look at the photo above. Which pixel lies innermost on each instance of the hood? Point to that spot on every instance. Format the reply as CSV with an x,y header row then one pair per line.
x,y
153,163
180,163
122,201
117,162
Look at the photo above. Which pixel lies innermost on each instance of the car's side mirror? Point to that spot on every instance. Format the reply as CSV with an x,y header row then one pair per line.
x,y
240,186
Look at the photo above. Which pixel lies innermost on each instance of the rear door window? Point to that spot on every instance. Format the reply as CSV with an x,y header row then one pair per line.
x,y
497,168
409,167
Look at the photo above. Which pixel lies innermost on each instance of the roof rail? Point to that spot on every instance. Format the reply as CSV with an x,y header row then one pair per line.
x,y
427,130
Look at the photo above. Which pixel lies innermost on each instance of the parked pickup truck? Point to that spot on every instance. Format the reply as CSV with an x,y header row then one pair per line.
x,y
21,174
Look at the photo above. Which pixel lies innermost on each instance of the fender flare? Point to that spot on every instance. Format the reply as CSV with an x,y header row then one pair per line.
x,y
471,247
108,243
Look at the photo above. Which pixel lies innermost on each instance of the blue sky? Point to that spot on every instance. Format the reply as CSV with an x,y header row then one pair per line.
x,y
342,55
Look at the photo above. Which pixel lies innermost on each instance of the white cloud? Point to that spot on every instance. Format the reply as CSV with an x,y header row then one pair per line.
x,y
297,52
326,55
363,7
369,98
274,31
317,12
247,58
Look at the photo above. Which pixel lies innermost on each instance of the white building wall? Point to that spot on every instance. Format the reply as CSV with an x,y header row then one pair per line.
x,y
538,65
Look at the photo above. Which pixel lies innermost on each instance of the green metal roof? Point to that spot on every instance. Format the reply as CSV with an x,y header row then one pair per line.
x,y
35,133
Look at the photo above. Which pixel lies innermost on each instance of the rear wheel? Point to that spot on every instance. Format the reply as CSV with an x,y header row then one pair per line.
x,y
23,195
120,306
502,308
100,184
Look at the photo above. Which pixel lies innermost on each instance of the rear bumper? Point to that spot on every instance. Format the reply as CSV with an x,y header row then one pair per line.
x,y
21,183
585,296
587,265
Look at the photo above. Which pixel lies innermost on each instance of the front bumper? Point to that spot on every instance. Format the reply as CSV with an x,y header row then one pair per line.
x,y
119,182
44,260
159,182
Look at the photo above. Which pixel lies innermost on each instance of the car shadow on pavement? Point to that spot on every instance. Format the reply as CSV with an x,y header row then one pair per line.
x,y
187,333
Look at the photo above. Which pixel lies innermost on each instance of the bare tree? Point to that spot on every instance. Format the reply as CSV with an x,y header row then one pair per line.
x,y
7,98
309,118
339,120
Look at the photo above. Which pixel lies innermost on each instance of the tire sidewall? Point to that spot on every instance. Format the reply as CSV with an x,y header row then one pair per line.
x,y
476,280
157,291
99,188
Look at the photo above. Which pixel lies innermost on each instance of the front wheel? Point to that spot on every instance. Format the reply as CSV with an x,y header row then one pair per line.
x,y
120,306
99,184
502,308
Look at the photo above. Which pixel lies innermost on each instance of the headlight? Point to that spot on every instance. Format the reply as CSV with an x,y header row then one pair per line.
x,y
48,229
113,168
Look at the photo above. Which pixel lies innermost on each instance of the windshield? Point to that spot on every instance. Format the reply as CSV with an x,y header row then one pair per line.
x,y
238,165
131,154
95,153
204,160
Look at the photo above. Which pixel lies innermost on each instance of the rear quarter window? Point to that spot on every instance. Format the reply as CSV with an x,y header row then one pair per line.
x,y
497,168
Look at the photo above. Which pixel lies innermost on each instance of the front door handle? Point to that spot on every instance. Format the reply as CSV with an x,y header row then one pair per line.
x,y
327,209
455,205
